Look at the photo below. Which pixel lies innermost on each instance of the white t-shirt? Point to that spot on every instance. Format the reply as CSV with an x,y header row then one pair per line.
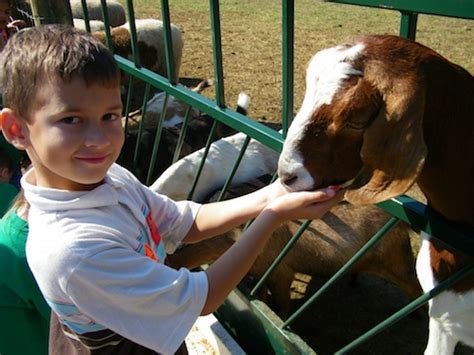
x,y
94,255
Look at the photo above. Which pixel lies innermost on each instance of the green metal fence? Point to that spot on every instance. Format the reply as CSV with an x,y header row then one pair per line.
x,y
252,322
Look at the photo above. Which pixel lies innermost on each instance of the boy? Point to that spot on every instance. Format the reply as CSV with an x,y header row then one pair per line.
x,y
98,238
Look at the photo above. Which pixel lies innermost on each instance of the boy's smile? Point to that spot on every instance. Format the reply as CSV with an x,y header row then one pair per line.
x,y
74,133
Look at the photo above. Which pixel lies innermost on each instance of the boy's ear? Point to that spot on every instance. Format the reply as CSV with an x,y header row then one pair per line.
x,y
13,129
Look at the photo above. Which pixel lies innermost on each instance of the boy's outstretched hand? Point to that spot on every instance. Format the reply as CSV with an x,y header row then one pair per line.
x,y
300,204
228,270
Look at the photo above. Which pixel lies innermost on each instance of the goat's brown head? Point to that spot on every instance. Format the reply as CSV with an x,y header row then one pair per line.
x,y
360,121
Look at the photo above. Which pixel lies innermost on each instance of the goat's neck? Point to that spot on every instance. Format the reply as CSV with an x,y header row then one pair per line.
x,y
448,125
446,181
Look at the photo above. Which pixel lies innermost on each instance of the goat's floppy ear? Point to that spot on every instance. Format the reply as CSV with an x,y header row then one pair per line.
x,y
394,151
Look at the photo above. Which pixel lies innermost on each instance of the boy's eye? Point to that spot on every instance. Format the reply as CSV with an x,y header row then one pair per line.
x,y
70,120
110,117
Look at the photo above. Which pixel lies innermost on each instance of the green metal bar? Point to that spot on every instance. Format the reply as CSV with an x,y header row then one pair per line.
x,y
133,33
409,308
140,126
423,218
231,118
288,63
217,52
203,160
343,270
451,8
280,257
165,15
159,129
127,103
105,16
182,135
408,25
257,328
85,13
234,168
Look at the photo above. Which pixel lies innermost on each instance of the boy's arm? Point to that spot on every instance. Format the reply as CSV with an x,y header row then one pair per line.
x,y
227,271
219,217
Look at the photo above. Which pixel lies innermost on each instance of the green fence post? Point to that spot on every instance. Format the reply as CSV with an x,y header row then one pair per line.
x,y
288,63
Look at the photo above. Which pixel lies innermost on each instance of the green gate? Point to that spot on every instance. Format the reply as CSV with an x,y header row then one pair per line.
x,y
255,326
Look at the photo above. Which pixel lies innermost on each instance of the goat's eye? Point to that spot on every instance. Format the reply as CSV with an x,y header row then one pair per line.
x,y
356,125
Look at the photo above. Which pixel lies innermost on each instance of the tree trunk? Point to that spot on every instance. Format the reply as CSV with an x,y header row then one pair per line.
x,y
51,11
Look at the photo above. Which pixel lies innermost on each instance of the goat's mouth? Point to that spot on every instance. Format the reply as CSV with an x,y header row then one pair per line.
x,y
292,183
342,185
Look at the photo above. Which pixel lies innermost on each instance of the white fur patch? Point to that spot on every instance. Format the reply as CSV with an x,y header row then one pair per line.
x,y
451,313
326,72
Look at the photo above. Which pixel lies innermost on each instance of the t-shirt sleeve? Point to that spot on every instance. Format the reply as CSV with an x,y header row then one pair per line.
x,y
173,219
144,301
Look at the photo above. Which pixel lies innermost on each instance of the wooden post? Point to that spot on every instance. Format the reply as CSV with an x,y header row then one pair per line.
x,y
51,11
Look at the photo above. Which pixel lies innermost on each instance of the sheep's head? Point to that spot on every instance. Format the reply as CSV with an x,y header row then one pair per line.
x,y
359,124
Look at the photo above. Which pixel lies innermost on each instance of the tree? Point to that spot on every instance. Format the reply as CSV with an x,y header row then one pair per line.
x,y
51,11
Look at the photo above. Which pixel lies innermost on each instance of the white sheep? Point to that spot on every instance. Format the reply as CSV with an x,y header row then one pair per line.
x,y
176,181
115,11
151,44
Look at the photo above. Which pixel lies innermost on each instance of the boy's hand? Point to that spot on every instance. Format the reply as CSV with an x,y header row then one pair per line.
x,y
303,204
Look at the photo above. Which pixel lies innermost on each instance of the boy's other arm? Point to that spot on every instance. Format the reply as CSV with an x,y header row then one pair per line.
x,y
219,217
227,271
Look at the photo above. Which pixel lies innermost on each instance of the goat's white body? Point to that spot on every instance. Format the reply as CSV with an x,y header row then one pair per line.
x,y
451,313
175,109
95,25
258,160
116,11
151,32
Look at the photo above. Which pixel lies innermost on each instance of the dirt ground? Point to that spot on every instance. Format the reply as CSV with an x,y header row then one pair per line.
x,y
251,34
354,306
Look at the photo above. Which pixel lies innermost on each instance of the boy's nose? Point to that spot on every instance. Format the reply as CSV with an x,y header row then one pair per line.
x,y
96,135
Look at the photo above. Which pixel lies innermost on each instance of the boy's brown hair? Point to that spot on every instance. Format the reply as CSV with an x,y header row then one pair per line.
x,y
48,52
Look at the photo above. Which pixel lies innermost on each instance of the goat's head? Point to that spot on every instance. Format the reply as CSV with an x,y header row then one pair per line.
x,y
360,122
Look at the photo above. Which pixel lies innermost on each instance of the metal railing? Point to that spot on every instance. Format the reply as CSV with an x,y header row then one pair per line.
x,y
277,335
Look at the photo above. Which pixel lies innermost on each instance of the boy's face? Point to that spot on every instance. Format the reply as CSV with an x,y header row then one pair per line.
x,y
74,133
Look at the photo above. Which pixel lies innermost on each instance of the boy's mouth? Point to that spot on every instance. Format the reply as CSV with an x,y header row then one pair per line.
x,y
92,160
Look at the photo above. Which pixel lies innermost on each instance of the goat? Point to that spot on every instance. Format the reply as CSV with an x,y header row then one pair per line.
x,y
378,115
151,44
95,25
333,239
115,11
175,109
176,181
196,136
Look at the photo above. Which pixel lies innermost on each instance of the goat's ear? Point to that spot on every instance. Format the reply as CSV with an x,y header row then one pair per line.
x,y
393,151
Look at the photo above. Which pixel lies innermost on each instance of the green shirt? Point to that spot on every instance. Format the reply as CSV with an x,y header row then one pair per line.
x,y
24,314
